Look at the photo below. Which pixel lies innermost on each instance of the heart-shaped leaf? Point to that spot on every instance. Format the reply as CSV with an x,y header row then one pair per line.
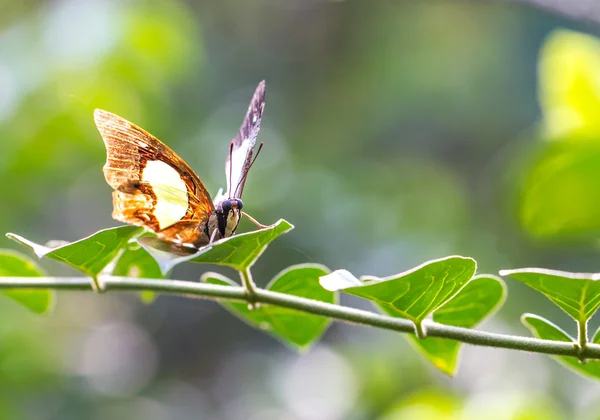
x,y
89,255
578,294
13,264
546,330
239,252
414,294
479,299
296,329
135,261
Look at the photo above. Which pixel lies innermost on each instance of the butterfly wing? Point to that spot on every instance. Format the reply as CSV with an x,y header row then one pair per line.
x,y
153,186
239,159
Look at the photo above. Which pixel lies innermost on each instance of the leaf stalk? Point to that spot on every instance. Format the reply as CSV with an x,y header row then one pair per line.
x,y
582,339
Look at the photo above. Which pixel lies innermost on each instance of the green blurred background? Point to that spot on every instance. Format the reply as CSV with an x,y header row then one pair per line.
x,y
395,132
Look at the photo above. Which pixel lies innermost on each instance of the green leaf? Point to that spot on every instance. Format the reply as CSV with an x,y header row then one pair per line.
x,y
578,294
89,255
559,198
296,329
239,251
546,330
479,299
414,294
13,264
135,261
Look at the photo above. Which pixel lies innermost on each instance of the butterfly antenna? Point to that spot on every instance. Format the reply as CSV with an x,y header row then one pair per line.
x,y
243,180
230,189
260,146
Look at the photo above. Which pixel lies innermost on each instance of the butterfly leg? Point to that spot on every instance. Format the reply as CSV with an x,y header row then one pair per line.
x,y
212,236
253,220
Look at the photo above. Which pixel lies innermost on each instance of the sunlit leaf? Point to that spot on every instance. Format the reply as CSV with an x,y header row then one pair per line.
x,y
479,299
239,251
546,330
437,403
13,264
578,294
89,255
569,85
414,294
425,404
296,329
136,262
559,196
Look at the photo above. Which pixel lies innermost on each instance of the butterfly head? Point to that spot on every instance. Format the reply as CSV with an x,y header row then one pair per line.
x,y
228,214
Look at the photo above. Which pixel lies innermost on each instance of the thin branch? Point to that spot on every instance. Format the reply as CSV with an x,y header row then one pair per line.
x,y
335,312
584,10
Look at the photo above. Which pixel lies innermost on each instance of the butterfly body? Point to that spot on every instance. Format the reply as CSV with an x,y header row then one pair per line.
x,y
228,214
156,189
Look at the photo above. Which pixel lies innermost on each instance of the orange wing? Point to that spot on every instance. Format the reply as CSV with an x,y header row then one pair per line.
x,y
154,187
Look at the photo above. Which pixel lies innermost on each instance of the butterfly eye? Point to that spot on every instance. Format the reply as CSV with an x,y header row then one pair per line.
x,y
226,206
239,204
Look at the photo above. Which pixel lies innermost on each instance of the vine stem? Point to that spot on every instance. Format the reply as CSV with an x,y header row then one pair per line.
x,y
249,288
584,10
335,312
582,338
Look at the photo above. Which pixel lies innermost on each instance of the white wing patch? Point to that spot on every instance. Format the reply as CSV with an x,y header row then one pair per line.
x,y
219,197
238,159
170,190
242,146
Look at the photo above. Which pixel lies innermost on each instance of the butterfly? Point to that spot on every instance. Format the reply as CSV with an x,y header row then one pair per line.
x,y
156,189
